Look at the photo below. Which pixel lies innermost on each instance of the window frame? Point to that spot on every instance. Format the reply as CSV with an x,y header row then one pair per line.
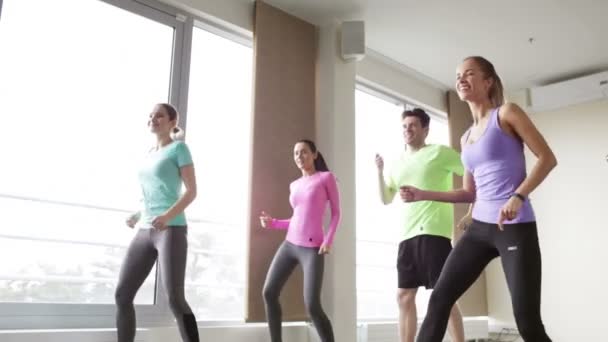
x,y
93,316
393,98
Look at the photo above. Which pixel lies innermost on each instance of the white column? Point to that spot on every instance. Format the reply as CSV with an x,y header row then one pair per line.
x,y
335,126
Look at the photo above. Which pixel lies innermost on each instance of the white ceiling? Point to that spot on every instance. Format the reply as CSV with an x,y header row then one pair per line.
x,y
432,36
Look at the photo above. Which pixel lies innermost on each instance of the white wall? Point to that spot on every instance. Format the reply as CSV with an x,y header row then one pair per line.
x,y
571,214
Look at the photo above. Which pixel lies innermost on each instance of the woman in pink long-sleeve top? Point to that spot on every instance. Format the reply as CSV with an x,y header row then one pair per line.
x,y
306,242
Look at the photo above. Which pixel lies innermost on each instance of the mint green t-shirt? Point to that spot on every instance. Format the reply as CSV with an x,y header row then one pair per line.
x,y
161,182
430,168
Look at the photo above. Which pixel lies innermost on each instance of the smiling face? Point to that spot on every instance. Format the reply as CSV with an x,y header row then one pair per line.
x,y
304,157
414,134
160,121
472,84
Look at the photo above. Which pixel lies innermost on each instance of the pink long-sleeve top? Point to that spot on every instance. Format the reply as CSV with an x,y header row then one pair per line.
x,y
308,197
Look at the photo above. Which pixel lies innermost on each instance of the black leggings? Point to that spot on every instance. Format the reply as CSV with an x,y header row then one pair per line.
x,y
518,248
285,260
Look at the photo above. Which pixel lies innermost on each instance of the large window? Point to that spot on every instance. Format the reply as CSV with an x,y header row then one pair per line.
x,y
79,78
75,93
219,124
378,130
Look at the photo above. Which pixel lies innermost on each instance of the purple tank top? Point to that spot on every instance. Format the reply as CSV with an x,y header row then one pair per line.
x,y
497,162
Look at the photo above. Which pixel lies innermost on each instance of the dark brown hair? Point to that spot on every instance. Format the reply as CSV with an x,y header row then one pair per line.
x,y
320,164
424,118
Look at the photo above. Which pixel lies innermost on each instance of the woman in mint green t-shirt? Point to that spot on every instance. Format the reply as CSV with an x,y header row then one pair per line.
x,y
161,223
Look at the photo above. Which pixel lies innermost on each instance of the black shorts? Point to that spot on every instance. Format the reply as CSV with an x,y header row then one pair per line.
x,y
420,260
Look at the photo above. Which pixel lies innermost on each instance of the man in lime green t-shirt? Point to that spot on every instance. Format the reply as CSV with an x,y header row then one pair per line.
x,y
427,226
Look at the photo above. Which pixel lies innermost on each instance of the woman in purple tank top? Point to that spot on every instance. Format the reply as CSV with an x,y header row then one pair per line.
x,y
503,222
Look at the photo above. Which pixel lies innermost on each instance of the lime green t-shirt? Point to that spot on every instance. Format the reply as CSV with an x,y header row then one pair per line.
x,y
161,182
430,168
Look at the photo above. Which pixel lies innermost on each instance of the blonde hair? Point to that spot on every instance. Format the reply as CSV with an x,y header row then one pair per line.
x,y
496,92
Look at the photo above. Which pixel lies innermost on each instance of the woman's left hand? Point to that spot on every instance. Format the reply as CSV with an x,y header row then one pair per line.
x,y
160,222
324,249
509,211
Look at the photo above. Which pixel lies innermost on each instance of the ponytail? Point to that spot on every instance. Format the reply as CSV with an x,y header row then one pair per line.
x,y
320,164
177,133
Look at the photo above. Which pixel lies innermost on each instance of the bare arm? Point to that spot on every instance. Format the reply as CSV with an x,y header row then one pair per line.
x,y
386,194
464,195
189,179
518,122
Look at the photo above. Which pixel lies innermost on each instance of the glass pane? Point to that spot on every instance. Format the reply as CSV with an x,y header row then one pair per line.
x,y
377,254
219,125
215,277
63,254
380,305
79,78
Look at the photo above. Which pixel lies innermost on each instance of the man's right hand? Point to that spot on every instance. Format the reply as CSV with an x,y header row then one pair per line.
x,y
379,162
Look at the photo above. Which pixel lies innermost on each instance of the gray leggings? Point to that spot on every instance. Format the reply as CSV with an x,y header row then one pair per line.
x,y
170,246
283,264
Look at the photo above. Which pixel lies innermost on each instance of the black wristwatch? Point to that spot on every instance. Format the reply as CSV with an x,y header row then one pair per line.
x,y
520,196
